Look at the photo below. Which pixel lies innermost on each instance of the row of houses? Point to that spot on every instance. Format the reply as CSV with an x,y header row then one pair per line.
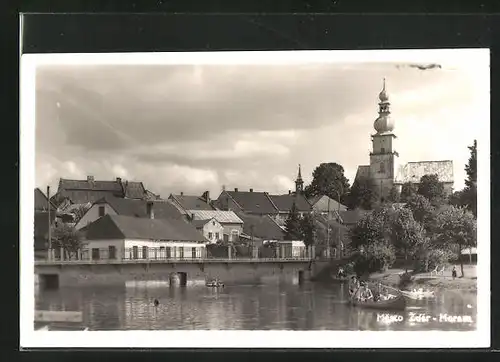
x,y
123,217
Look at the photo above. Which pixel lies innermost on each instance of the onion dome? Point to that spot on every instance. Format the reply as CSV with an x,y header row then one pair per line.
x,y
384,122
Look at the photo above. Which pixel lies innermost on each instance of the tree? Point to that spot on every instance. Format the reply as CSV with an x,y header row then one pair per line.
x,y
66,237
407,234
329,180
371,241
456,228
469,194
394,195
408,189
362,195
431,188
308,229
422,210
293,224
79,211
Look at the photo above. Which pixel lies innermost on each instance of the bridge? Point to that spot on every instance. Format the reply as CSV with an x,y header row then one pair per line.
x,y
83,269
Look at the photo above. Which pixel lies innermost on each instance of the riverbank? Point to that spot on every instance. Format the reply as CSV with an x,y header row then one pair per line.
x,y
424,280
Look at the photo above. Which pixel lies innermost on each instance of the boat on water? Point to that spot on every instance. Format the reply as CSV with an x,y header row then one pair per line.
x,y
214,284
418,294
396,302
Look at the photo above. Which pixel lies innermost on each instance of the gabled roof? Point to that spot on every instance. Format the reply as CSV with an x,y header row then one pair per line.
x,y
320,203
224,217
413,171
129,227
163,209
253,202
264,227
189,202
201,223
285,202
41,201
351,217
82,191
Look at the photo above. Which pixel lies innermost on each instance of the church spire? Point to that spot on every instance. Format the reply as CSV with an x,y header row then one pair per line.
x,y
384,123
299,183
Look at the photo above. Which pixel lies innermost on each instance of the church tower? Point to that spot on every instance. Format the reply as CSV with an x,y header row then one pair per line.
x,y
299,183
383,158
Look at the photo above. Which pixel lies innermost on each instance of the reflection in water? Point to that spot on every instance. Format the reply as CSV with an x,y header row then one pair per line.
x,y
273,304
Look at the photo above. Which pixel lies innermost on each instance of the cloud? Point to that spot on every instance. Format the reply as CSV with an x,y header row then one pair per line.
x,y
198,127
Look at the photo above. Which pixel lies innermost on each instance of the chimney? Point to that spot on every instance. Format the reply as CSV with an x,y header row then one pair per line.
x,y
90,178
251,190
150,210
235,189
118,179
289,192
182,193
192,217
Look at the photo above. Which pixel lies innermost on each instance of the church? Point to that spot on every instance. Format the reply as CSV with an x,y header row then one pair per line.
x,y
384,169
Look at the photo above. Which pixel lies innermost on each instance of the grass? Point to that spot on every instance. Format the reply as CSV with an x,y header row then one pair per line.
x,y
425,280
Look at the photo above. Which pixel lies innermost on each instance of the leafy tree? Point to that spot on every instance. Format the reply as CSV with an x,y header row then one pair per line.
x,y
371,241
329,180
456,229
408,235
408,189
308,229
80,211
394,195
422,210
66,237
469,194
431,188
362,195
293,224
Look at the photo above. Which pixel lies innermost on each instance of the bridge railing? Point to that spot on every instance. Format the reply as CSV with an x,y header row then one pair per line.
x,y
139,255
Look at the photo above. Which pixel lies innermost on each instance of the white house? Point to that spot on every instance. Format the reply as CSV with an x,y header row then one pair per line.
x,y
231,223
211,229
128,237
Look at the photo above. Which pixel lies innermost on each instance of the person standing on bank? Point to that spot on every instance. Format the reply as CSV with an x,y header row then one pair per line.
x,y
454,272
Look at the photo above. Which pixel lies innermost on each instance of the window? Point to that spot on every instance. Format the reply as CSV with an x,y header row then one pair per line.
x,y
234,235
216,236
112,252
101,211
181,252
95,254
213,223
135,252
382,150
169,253
193,253
162,252
210,235
226,237
382,168
145,252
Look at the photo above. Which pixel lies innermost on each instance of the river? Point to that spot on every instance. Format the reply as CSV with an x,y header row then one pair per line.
x,y
269,305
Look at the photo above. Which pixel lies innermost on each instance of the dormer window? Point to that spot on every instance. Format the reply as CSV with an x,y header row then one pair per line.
x,y
382,150
101,211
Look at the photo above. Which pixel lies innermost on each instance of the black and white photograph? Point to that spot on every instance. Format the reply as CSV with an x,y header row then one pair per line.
x,y
255,199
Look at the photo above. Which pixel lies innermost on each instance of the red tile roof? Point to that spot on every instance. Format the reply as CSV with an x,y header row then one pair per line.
x,y
129,227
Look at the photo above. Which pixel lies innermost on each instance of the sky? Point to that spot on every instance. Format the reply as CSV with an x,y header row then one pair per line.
x,y
197,127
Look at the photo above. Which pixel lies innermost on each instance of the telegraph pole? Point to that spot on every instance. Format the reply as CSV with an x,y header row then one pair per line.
x,y
49,233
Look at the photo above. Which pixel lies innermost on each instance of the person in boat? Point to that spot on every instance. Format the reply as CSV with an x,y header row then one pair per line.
x,y
354,285
366,293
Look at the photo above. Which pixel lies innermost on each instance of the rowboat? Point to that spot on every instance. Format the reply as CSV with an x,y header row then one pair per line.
x,y
418,294
396,303
214,284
